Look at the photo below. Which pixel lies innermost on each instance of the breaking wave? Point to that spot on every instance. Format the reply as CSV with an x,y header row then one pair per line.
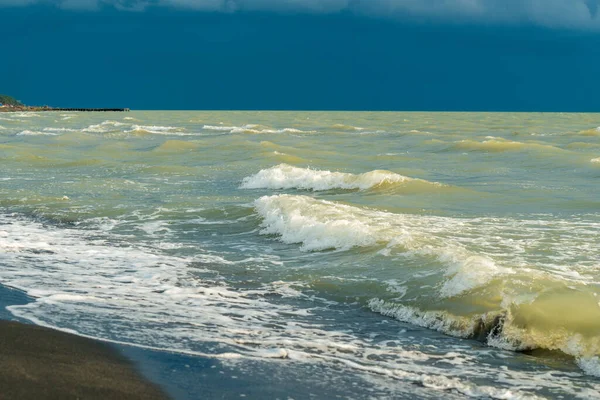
x,y
156,129
494,144
60,130
343,127
251,128
284,176
509,293
104,127
35,133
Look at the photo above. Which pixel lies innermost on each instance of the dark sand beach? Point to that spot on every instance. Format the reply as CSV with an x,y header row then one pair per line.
x,y
41,363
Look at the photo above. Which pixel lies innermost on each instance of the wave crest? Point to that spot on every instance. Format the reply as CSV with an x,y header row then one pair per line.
x,y
318,225
35,133
251,128
156,129
284,176
494,144
561,321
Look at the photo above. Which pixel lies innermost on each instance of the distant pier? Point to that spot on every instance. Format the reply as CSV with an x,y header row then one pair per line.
x,y
89,109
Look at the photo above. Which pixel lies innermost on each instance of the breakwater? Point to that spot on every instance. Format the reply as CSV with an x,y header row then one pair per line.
x,y
38,109
89,109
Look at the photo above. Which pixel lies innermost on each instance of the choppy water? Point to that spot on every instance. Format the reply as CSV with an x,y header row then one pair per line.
x,y
457,252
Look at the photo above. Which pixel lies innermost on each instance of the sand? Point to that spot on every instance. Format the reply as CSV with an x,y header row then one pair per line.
x,y
41,363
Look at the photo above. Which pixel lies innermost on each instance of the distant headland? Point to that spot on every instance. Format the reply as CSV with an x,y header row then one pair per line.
x,y
10,104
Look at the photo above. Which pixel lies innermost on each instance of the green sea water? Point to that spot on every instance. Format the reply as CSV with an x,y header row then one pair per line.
x,y
453,252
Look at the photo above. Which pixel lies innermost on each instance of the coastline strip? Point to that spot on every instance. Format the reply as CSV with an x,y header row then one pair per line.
x,y
38,362
38,109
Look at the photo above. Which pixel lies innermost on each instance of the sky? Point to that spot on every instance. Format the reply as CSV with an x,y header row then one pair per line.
x,y
399,55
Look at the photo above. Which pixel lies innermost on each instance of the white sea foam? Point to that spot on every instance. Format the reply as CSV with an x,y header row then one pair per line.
x,y
157,129
347,127
251,128
285,130
218,128
35,133
595,160
85,285
320,225
471,258
285,176
457,243
60,130
591,365
72,274
436,320
103,127
501,329
467,272
27,114
248,128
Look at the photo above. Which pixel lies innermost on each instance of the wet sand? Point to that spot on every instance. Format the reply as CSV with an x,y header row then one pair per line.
x,y
41,363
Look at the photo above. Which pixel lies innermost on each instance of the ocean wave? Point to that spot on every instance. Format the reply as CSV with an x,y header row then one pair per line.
x,y
591,132
511,293
468,250
344,127
156,129
595,160
285,130
285,176
27,114
127,294
251,128
317,224
378,131
176,146
35,133
230,129
73,271
494,144
568,323
60,130
104,127
322,225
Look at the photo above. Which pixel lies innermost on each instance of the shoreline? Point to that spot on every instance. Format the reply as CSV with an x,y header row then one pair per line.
x,y
39,362
161,374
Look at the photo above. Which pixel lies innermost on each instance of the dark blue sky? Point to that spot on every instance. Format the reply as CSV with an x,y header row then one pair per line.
x,y
182,58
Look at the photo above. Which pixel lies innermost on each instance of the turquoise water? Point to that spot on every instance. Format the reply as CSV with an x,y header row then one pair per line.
x,y
403,253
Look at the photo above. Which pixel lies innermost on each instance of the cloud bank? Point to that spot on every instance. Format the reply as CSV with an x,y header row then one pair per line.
x,y
571,14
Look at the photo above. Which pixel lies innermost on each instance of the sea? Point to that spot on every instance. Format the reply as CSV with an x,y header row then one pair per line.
x,y
360,255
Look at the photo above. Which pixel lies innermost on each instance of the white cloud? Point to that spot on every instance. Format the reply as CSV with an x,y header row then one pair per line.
x,y
575,14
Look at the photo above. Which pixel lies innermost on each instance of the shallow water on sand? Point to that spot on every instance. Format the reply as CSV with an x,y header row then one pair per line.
x,y
394,253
